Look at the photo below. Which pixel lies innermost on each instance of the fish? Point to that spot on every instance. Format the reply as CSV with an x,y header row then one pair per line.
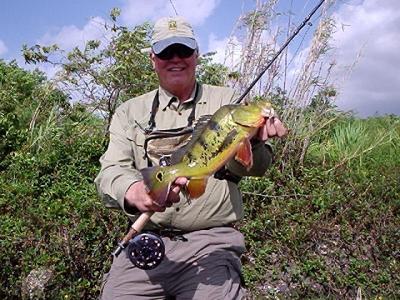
x,y
216,139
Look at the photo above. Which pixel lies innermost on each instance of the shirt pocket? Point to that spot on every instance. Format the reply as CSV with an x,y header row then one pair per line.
x,y
137,139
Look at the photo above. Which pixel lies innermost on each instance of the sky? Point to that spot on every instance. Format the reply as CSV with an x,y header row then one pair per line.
x,y
366,40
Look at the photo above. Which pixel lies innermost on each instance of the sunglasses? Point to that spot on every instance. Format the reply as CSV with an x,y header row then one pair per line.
x,y
179,50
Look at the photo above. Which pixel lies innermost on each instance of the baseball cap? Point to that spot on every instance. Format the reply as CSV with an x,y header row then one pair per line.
x,y
172,30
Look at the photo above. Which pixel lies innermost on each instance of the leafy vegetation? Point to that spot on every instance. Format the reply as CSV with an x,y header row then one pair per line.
x,y
330,227
323,223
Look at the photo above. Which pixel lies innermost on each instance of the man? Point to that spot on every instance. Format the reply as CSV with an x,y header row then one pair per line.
x,y
202,247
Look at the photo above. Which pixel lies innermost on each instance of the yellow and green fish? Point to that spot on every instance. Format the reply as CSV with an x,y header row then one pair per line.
x,y
225,135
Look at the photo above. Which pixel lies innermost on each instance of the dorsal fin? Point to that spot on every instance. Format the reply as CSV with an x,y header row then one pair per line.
x,y
199,126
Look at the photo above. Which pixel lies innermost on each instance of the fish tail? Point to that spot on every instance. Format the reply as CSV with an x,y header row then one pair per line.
x,y
158,181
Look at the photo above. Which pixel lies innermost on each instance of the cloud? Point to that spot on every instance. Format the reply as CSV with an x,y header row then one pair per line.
x,y
228,50
137,11
366,42
371,31
3,48
71,36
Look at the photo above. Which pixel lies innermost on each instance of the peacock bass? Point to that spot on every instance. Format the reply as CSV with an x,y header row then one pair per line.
x,y
216,139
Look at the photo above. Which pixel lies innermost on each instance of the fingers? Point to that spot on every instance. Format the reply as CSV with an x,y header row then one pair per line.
x,y
272,127
176,187
279,127
173,195
262,134
181,181
138,196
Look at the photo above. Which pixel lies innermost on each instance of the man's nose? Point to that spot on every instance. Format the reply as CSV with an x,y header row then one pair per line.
x,y
175,56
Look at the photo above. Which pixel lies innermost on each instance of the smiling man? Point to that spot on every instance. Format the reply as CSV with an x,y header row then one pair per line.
x,y
203,248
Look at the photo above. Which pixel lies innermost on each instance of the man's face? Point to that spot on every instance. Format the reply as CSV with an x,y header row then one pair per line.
x,y
175,67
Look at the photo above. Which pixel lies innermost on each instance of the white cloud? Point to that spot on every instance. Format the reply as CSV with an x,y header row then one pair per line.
x,y
71,36
370,30
228,50
367,38
133,12
3,48
137,11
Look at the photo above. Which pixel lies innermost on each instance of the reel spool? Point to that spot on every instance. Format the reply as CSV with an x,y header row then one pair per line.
x,y
146,251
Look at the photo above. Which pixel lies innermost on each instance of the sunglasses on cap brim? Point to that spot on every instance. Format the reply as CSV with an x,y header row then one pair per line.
x,y
180,50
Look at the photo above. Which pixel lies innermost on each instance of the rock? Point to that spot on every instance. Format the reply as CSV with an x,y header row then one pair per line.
x,y
34,285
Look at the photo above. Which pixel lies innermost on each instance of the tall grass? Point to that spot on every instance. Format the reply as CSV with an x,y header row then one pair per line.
x,y
305,98
351,142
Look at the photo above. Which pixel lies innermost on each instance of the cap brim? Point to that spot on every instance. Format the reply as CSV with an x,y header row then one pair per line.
x,y
161,45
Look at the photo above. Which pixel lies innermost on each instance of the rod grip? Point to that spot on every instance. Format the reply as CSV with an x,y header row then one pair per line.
x,y
136,228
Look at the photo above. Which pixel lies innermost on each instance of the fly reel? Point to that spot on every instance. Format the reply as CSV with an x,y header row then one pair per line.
x,y
146,251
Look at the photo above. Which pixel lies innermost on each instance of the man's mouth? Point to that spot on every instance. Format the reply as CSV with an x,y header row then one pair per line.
x,y
176,69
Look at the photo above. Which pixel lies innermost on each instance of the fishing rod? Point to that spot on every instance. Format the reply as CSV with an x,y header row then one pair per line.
x,y
147,250
269,64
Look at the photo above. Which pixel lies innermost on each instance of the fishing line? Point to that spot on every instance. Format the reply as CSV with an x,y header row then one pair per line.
x,y
173,6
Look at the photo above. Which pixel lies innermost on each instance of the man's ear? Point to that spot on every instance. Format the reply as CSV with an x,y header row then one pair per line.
x,y
151,55
197,56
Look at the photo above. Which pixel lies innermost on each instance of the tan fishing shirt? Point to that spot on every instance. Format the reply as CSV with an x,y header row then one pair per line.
x,y
221,203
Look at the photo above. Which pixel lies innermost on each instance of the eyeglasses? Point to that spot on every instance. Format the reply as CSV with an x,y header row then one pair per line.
x,y
180,50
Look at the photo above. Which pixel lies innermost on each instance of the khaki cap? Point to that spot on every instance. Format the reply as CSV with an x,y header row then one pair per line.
x,y
172,30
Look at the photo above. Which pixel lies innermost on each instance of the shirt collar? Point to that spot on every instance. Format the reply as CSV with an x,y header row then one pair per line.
x,y
168,99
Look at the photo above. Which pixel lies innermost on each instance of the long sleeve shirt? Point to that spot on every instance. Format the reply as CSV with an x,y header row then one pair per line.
x,y
221,203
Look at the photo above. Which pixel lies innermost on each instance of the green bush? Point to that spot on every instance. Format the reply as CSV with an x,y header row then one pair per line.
x,y
328,229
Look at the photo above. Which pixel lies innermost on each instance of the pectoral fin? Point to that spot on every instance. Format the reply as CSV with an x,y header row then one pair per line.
x,y
196,187
244,155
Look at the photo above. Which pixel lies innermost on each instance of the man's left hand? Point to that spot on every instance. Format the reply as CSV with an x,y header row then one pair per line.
x,y
273,127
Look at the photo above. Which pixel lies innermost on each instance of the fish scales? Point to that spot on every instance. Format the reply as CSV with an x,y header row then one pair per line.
x,y
216,137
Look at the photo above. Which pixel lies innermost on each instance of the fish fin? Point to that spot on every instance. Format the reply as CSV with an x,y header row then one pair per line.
x,y
244,155
248,116
199,126
196,187
158,188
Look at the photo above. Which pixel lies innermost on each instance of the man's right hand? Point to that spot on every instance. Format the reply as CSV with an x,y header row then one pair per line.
x,y
137,197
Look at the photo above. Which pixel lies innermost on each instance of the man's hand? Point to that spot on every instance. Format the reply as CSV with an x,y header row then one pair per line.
x,y
273,127
137,197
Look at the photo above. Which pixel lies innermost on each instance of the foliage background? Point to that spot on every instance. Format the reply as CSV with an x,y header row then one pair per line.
x,y
322,223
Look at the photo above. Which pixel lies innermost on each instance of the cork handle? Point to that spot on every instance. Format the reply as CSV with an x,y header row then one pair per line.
x,y
136,228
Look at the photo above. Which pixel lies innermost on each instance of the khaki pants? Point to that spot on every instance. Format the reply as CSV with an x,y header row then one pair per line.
x,y
206,266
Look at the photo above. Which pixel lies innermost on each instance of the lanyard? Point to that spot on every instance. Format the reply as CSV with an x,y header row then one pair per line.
x,y
156,104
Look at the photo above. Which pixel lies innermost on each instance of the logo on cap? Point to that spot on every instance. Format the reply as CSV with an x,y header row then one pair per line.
x,y
172,25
